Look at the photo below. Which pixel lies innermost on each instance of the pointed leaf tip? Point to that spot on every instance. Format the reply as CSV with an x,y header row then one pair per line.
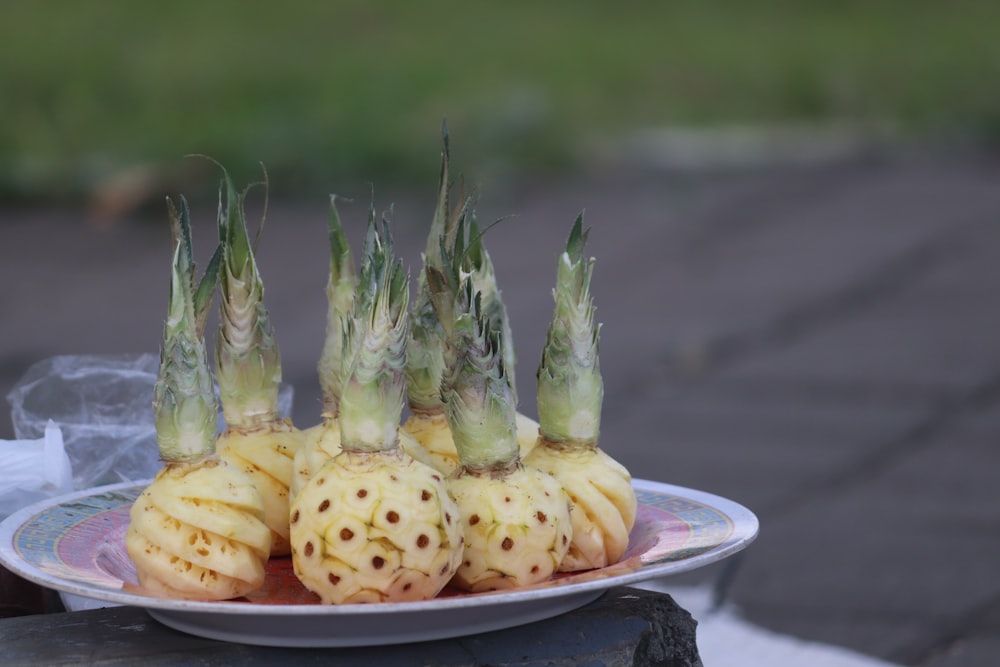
x,y
577,239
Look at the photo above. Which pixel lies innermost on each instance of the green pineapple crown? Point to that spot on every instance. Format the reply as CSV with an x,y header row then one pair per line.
x,y
570,387
248,362
484,278
425,346
475,386
427,337
184,406
375,333
340,288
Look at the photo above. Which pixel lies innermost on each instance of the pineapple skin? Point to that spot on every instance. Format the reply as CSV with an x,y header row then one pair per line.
x,y
603,502
266,453
430,430
197,532
375,527
517,528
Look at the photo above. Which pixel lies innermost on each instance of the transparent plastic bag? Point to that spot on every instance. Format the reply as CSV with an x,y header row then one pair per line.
x,y
104,406
33,470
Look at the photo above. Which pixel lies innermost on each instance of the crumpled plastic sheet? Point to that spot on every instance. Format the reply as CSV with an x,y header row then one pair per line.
x,y
33,470
103,405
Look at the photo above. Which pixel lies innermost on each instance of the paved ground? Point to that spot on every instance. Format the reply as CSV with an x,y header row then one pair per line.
x,y
820,343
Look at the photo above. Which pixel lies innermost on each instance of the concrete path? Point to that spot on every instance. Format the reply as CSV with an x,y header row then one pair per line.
x,y
820,343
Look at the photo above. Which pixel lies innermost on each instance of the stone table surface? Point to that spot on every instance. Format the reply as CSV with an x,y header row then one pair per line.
x,y
625,626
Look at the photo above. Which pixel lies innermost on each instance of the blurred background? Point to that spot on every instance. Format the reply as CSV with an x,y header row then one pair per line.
x,y
107,99
794,206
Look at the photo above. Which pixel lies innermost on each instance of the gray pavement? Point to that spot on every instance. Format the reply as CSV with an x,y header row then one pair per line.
x,y
820,343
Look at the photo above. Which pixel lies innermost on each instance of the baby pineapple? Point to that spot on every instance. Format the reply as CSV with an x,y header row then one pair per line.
x,y
197,531
322,441
248,363
515,518
373,524
570,393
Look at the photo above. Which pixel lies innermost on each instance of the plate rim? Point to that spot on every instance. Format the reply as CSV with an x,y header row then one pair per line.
x,y
745,528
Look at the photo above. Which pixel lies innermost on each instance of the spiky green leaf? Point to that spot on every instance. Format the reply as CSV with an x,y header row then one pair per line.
x,y
375,335
570,386
248,361
475,389
184,405
340,288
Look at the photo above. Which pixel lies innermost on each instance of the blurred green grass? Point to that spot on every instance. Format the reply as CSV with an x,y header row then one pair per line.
x,y
320,92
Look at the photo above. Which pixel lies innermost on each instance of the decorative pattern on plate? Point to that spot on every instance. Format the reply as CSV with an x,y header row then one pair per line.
x,y
76,544
83,541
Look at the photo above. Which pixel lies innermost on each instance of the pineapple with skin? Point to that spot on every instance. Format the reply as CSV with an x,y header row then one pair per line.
x,y
248,369
197,531
570,394
515,518
427,423
374,524
322,441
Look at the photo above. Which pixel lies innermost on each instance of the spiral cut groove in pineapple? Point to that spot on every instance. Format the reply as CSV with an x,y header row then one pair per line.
x,y
197,533
517,528
375,527
603,502
266,454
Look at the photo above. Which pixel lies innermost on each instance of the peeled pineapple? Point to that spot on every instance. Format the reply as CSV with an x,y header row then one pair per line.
x,y
570,393
375,527
516,525
248,362
322,441
373,524
197,531
515,518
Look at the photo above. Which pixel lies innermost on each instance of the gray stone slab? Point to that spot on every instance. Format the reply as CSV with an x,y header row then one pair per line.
x,y
979,644
623,627
971,652
762,448
916,341
909,545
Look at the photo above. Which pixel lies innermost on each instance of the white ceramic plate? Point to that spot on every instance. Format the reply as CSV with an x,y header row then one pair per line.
x,y
75,544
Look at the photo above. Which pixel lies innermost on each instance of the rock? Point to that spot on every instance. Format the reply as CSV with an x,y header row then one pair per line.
x,y
625,626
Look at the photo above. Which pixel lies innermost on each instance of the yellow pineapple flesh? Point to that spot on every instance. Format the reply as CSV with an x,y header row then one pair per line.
x,y
517,528
197,533
375,527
